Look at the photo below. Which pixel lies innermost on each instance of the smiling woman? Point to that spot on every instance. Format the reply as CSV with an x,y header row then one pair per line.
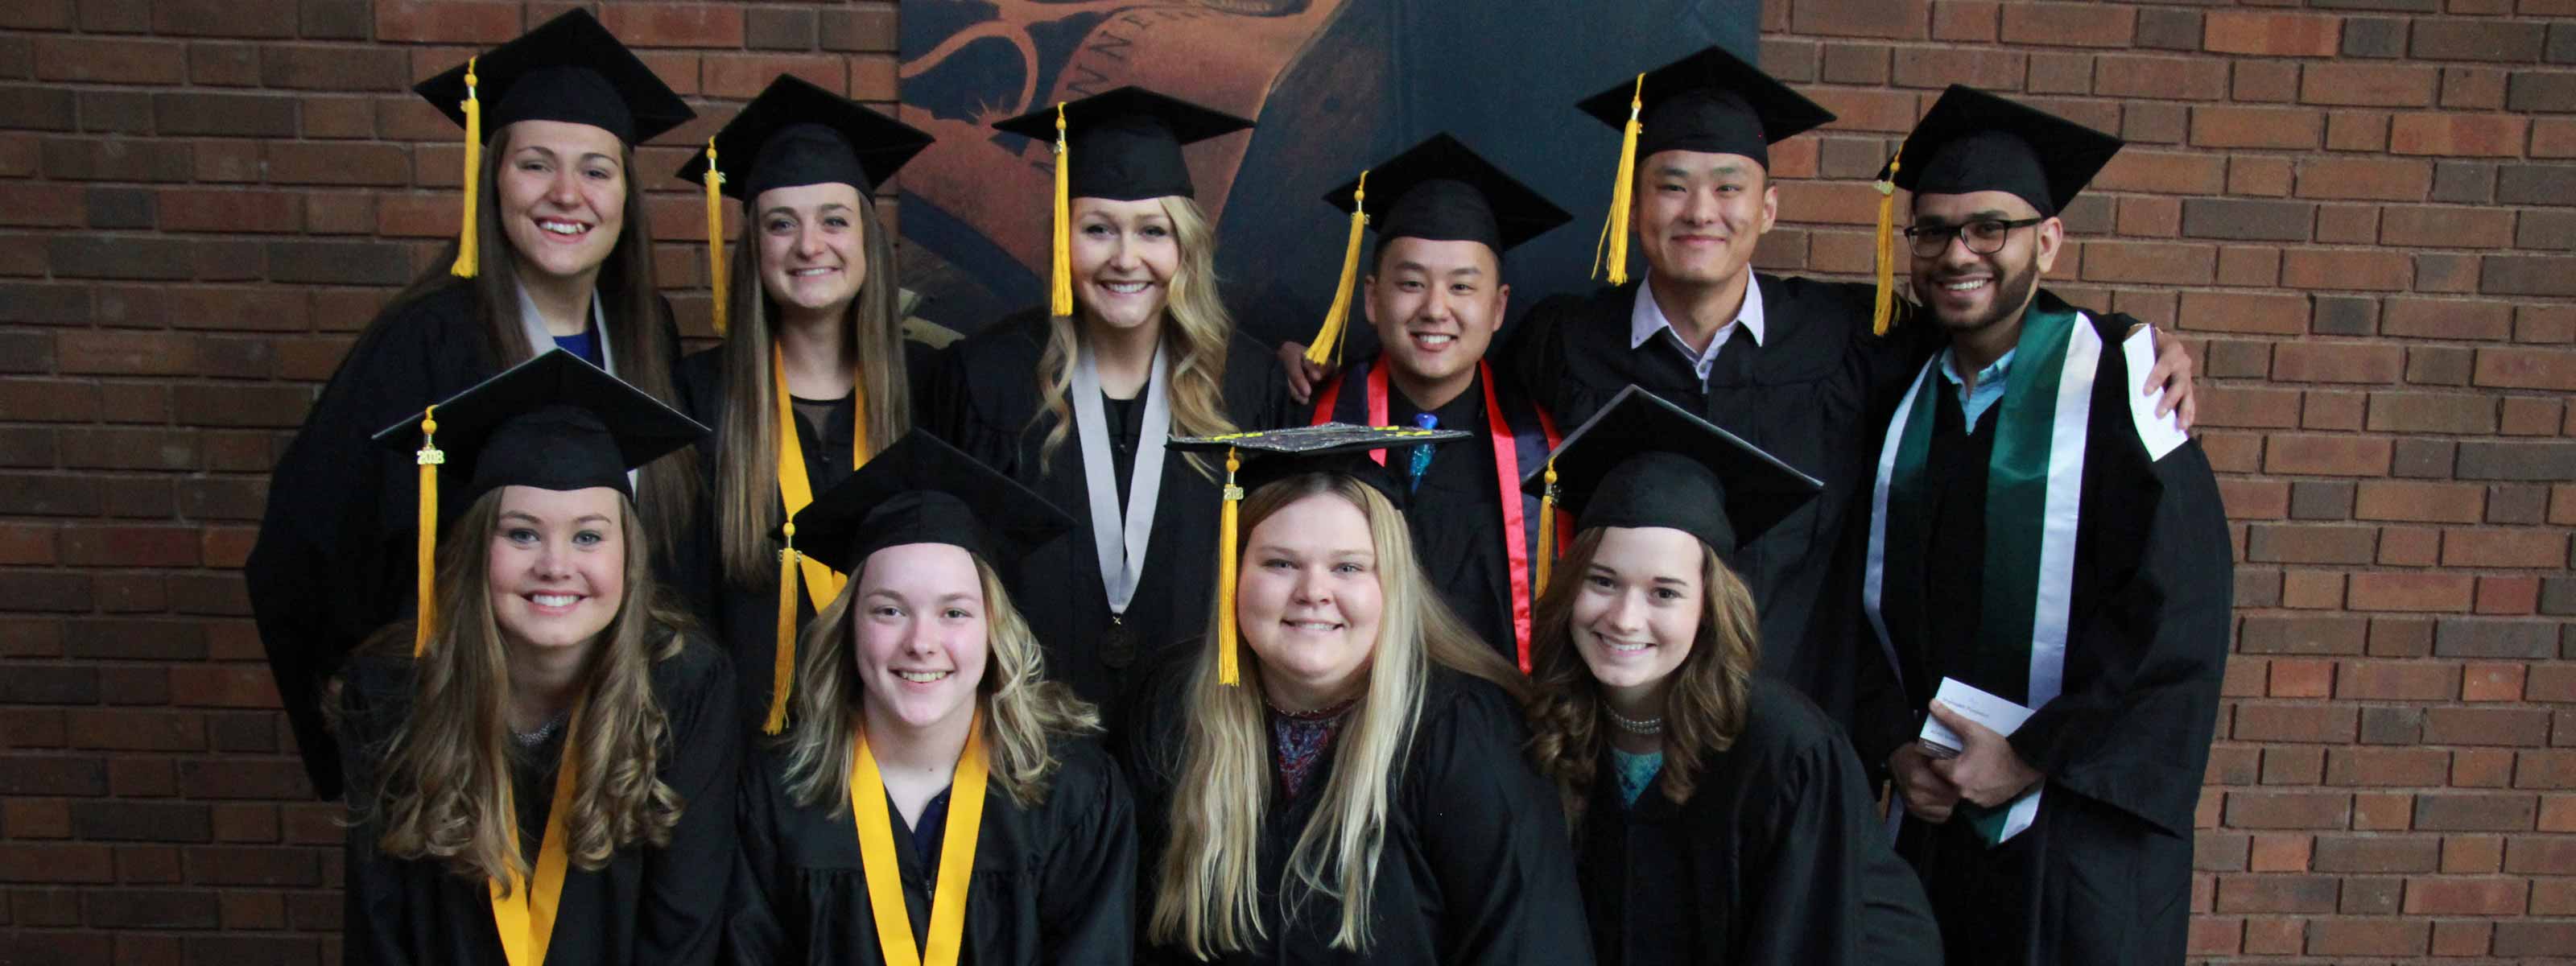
x,y
546,257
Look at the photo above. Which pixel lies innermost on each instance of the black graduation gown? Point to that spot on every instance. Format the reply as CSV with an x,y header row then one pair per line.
x,y
334,558
647,905
2104,873
1779,858
1476,868
1459,531
744,620
1814,393
1052,883
984,396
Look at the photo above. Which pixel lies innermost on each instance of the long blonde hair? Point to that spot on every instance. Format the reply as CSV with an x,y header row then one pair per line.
x,y
1208,896
1194,319
746,485
446,781
1703,710
1024,713
639,333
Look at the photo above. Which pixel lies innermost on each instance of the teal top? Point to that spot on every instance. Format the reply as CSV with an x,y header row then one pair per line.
x,y
1636,772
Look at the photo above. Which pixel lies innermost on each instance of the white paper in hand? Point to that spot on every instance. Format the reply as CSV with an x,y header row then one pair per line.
x,y
1998,715
2160,433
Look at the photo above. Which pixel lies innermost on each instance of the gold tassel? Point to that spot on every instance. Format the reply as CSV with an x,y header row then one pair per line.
x,y
1546,529
1884,310
1615,232
1227,669
1060,247
783,672
466,259
1328,342
426,584
715,236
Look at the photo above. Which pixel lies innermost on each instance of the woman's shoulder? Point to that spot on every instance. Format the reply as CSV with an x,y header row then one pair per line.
x,y
693,675
1086,776
1459,708
1018,337
1783,728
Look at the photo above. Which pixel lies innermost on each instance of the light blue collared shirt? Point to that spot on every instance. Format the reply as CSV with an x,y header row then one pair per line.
x,y
1646,318
1973,402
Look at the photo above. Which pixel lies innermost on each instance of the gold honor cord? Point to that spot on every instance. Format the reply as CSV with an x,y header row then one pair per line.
x,y
525,917
956,855
822,583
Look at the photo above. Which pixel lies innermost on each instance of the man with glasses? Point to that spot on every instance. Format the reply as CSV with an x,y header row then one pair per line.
x,y
2047,568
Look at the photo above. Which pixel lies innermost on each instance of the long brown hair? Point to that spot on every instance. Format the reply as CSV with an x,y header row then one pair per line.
x,y
1703,710
746,487
1024,713
1208,900
639,331
1194,319
445,787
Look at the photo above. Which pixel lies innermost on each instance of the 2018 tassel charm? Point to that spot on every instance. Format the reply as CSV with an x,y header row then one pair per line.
x,y
783,672
1060,245
1883,308
1614,233
1228,667
1546,531
1328,341
715,236
429,459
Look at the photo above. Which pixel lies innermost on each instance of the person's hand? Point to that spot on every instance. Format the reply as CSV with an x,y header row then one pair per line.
x,y
1928,796
1987,771
2171,376
1303,375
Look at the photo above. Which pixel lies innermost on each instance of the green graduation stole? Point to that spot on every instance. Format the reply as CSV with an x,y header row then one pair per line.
x,y
2034,490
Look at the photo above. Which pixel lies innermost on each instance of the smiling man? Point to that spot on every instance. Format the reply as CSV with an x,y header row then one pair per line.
x,y
2044,540
1435,294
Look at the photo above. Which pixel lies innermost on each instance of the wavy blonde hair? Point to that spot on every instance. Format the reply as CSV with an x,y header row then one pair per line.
x,y
1194,318
445,791
746,479
1024,713
1208,897
1703,710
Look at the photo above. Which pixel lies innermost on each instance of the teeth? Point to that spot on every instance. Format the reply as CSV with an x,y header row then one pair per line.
x,y
1314,626
1124,288
555,600
563,227
811,272
921,677
1625,647
1435,341
1965,286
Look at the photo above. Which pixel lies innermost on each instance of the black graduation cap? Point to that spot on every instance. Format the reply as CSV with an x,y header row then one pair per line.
x,y
1710,101
923,490
1282,453
1644,462
1125,144
797,134
569,69
1974,141
1443,191
554,422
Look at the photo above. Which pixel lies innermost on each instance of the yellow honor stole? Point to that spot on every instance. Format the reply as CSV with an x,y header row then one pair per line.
x,y
822,583
956,855
525,916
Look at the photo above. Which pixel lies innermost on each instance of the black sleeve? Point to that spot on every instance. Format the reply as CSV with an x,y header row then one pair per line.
x,y
371,892
683,902
1496,840
753,932
1831,891
1087,905
1535,356
943,400
2137,736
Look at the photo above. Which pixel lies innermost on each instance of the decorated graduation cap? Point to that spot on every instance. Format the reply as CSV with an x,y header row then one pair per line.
x,y
554,422
1279,454
919,490
1123,145
794,134
1975,141
1711,101
1438,190
1644,462
569,69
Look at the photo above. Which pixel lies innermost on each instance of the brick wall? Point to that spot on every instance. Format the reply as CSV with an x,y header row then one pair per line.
x,y
2355,210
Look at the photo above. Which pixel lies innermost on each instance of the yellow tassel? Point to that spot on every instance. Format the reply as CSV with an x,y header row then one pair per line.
x,y
1060,247
1546,529
1615,232
783,672
1884,310
1328,342
1227,669
466,260
424,622
715,235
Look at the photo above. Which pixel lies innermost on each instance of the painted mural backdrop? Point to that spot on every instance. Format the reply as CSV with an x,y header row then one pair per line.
x,y
1334,85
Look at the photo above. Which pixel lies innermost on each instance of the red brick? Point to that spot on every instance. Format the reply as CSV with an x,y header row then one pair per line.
x,y
2411,591
744,75
2270,722
2422,318
2272,34
2420,501
674,25
2367,937
2527,369
2344,362
2444,227
2068,24
446,21
2257,127
2366,269
2432,412
2487,726
2457,135
2276,893
110,61
2195,173
1896,19
2326,455
2487,547
2364,179
2152,262
2368,85
2386,767
2466,897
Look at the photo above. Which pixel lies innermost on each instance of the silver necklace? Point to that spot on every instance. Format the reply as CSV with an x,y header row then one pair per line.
x,y
1649,726
531,739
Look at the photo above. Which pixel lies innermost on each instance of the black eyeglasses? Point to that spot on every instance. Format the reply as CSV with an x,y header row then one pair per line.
x,y
1984,236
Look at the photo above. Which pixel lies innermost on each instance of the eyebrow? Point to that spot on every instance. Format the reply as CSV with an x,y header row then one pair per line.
x,y
1607,572
791,212
550,153
1427,270
1989,214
